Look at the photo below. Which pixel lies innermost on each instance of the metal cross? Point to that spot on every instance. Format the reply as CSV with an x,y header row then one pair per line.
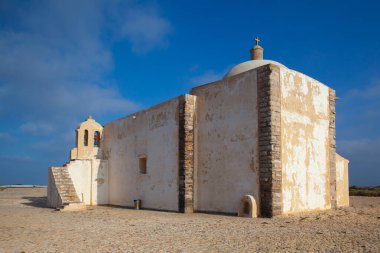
x,y
257,40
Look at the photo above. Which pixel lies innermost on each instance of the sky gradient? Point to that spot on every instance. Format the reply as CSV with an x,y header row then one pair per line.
x,y
61,61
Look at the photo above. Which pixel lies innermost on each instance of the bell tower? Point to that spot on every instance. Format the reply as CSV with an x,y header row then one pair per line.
x,y
88,136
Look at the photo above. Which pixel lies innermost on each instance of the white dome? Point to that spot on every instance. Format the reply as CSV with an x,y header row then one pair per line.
x,y
248,65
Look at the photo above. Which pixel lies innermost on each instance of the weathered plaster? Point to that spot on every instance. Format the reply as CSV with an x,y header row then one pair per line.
x,y
90,179
342,183
80,173
264,131
305,143
152,133
226,153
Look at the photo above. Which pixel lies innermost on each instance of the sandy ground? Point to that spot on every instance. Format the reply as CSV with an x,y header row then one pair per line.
x,y
26,225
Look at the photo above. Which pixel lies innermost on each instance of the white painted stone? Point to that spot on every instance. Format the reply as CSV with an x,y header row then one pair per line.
x,y
152,133
305,139
248,202
53,198
226,139
342,183
226,158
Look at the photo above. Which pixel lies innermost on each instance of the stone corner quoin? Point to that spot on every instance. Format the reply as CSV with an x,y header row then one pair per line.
x,y
269,113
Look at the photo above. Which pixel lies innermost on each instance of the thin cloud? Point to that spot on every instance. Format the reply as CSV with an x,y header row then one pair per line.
x,y
60,62
37,128
358,135
139,23
145,29
206,77
56,57
16,158
364,166
371,92
5,137
56,67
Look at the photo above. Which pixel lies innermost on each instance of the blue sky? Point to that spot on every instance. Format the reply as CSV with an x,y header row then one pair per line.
x,y
63,60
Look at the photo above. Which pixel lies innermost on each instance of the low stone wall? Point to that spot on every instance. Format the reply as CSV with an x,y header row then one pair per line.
x,y
342,185
53,198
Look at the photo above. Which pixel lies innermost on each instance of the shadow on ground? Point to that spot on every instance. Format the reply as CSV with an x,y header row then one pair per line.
x,y
35,201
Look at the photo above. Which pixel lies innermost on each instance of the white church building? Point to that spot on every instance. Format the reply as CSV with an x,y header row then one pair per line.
x,y
259,142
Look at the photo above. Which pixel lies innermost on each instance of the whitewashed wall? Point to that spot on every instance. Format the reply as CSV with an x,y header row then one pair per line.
x,y
80,173
226,155
152,133
53,198
90,179
342,183
305,143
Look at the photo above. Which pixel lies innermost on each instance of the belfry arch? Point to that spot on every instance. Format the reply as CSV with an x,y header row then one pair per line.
x,y
88,136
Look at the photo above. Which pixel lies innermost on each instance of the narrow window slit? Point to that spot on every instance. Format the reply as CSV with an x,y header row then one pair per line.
x,y
143,165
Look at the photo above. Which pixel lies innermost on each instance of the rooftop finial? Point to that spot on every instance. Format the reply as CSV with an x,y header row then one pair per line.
x,y
257,40
257,51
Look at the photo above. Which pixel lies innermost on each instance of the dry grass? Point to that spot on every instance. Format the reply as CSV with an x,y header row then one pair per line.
x,y
368,191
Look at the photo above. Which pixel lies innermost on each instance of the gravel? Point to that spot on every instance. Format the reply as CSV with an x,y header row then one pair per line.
x,y
26,224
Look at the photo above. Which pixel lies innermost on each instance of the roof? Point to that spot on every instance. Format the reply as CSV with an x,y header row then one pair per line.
x,y
248,65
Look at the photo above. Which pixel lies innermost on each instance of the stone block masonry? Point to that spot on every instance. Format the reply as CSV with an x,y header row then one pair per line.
x,y
269,111
332,148
186,153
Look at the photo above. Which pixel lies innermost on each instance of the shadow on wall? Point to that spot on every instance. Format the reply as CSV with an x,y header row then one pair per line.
x,y
40,202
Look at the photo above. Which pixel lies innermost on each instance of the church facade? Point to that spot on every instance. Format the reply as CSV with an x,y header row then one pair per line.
x,y
259,142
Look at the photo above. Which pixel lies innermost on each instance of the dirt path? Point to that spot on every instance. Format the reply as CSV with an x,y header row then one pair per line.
x,y
27,225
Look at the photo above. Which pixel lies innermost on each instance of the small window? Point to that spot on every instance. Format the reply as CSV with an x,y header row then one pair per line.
x,y
86,137
142,165
96,138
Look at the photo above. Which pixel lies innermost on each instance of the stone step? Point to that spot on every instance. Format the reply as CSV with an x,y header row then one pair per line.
x,y
70,199
74,206
65,186
63,179
60,172
68,195
59,177
65,183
